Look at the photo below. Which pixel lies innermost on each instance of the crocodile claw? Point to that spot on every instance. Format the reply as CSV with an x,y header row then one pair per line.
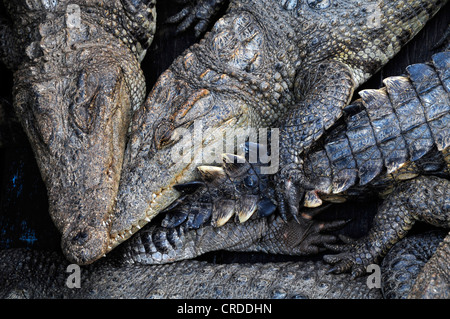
x,y
294,192
310,236
198,13
345,265
224,209
212,174
352,257
248,206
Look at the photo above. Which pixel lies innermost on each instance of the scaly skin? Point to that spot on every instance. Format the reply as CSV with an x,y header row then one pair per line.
x,y
422,199
252,69
400,276
199,12
96,85
187,279
33,274
433,280
155,244
394,143
77,79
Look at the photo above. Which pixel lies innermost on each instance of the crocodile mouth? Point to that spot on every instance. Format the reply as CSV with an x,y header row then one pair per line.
x,y
140,200
164,194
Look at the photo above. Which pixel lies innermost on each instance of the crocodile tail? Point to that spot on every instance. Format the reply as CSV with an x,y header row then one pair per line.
x,y
409,116
400,129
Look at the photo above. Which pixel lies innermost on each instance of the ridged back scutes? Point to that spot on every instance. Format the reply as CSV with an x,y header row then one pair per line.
x,y
431,84
342,162
398,124
367,154
441,62
386,128
411,115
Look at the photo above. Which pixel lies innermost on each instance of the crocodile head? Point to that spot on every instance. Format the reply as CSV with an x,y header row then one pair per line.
x,y
179,127
74,92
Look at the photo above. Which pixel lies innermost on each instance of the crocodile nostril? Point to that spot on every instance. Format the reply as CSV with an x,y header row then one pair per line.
x,y
80,238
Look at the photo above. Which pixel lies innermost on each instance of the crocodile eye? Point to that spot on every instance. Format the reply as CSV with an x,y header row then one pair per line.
x,y
319,4
83,110
163,134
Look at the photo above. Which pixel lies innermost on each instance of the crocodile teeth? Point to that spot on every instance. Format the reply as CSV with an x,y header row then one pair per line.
x,y
248,206
223,210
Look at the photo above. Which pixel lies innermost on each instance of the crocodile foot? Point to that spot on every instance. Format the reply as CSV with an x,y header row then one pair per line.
x,y
236,190
191,232
424,198
233,192
353,256
198,13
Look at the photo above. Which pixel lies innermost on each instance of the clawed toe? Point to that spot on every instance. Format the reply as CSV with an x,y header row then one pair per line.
x,y
349,258
199,14
341,262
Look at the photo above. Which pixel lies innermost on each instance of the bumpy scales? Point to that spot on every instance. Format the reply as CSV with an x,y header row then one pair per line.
x,y
263,61
77,81
394,142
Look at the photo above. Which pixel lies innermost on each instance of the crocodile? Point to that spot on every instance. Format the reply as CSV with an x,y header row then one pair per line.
x,y
84,57
251,70
164,273
393,143
28,274
77,81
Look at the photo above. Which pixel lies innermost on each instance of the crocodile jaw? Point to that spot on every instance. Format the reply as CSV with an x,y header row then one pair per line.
x,y
170,136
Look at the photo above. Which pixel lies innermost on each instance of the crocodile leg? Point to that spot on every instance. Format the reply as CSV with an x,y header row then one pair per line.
x,y
201,220
242,76
159,245
323,93
422,199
